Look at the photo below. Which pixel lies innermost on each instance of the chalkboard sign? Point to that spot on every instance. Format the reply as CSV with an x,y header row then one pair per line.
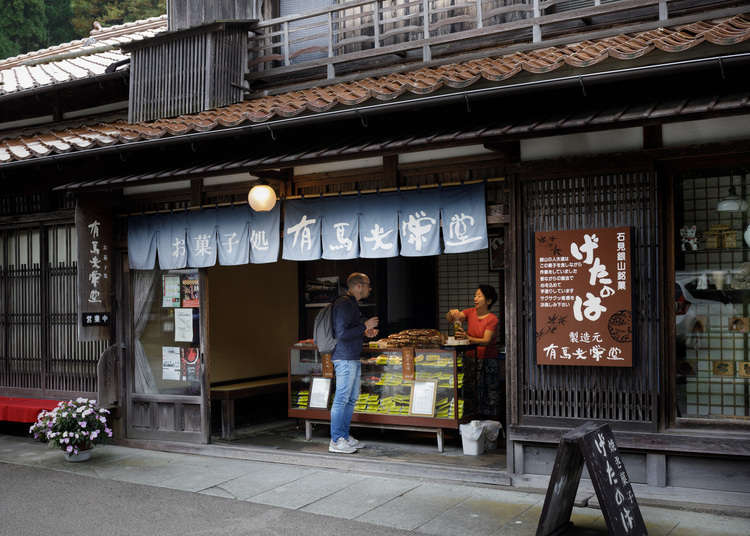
x,y
594,444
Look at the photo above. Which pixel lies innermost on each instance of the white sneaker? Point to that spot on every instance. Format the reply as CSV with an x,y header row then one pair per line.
x,y
357,444
341,446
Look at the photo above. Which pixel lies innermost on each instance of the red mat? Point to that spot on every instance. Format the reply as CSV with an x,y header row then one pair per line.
x,y
23,409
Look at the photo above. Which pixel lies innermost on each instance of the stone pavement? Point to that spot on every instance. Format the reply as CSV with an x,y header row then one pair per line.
x,y
389,502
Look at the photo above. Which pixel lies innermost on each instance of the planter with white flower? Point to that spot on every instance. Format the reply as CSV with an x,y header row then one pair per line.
x,y
74,427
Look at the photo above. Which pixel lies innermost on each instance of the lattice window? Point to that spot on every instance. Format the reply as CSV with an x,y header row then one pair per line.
x,y
39,350
712,308
626,395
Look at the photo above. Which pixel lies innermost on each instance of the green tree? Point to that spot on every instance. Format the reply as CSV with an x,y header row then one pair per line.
x,y
85,12
23,26
59,24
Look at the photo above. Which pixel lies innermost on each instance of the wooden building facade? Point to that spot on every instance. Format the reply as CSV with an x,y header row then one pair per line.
x,y
638,121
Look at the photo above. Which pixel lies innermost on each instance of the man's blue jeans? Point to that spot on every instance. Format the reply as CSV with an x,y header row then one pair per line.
x,y
348,373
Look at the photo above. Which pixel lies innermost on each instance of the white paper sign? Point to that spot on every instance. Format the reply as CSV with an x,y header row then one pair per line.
x,y
170,363
423,398
183,325
321,388
171,291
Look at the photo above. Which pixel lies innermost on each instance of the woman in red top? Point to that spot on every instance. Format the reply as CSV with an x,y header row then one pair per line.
x,y
481,329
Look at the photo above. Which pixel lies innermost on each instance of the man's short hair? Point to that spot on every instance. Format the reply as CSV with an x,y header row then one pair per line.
x,y
357,278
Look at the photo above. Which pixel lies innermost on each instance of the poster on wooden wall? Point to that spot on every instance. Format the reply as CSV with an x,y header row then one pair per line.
x,y
93,219
583,301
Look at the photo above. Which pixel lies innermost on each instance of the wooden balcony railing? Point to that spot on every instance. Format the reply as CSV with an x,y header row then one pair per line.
x,y
366,34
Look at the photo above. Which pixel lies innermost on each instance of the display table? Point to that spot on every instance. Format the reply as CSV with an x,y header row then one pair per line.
x,y
395,389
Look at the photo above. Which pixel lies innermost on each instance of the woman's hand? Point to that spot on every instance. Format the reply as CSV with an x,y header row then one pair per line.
x,y
453,314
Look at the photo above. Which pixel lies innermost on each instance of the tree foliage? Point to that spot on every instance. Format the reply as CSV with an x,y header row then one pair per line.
x,y
59,22
23,26
85,12
27,25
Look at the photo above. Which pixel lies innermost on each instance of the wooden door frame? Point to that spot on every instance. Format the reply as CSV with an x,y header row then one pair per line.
x,y
203,436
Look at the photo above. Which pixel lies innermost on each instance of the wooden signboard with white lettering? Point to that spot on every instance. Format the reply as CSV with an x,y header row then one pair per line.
x,y
584,312
93,219
594,444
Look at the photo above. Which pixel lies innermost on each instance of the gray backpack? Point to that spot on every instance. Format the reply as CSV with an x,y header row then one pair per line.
x,y
323,330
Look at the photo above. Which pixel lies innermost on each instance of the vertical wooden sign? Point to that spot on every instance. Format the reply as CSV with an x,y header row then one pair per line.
x,y
93,220
407,363
584,312
327,365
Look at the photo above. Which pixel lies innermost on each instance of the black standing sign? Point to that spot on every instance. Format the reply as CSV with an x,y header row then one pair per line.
x,y
594,444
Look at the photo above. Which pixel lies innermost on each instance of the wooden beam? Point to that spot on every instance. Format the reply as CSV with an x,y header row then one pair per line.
x,y
196,192
511,150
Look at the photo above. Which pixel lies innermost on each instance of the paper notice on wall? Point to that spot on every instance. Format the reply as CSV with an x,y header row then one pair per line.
x,y
170,363
170,291
183,325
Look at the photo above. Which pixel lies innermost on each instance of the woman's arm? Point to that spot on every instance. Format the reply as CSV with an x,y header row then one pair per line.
x,y
484,340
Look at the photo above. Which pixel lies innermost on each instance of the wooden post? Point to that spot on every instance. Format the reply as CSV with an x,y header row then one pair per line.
x,y
285,28
663,10
376,23
331,70
536,29
426,52
480,23
390,171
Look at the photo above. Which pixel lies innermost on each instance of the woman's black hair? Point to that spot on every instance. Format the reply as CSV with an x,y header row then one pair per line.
x,y
490,294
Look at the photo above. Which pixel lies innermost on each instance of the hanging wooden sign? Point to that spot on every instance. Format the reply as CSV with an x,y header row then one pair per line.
x,y
93,219
584,313
594,444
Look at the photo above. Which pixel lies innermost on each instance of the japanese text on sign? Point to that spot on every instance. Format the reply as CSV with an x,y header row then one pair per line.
x,y
583,297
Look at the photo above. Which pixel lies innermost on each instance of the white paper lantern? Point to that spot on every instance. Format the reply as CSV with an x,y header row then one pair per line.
x,y
261,198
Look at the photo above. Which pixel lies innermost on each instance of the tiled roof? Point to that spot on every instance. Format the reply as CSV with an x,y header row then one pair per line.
x,y
420,137
74,60
419,82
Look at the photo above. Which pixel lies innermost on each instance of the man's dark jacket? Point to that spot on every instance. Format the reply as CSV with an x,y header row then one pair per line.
x,y
348,328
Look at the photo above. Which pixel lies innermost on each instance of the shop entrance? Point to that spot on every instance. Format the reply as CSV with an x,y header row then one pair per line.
x,y
166,380
258,312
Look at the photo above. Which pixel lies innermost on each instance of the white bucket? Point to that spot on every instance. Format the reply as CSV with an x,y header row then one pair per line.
x,y
472,438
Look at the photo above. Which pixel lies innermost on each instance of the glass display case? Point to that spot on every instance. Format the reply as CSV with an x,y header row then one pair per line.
x,y
390,380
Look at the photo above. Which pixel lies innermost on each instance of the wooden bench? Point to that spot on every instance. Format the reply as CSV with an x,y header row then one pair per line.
x,y
245,389
24,410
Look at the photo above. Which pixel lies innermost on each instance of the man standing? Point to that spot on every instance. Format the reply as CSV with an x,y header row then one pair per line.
x,y
349,330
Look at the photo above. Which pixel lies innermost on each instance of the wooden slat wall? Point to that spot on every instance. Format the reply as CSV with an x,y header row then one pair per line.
x,y
187,75
625,395
39,351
